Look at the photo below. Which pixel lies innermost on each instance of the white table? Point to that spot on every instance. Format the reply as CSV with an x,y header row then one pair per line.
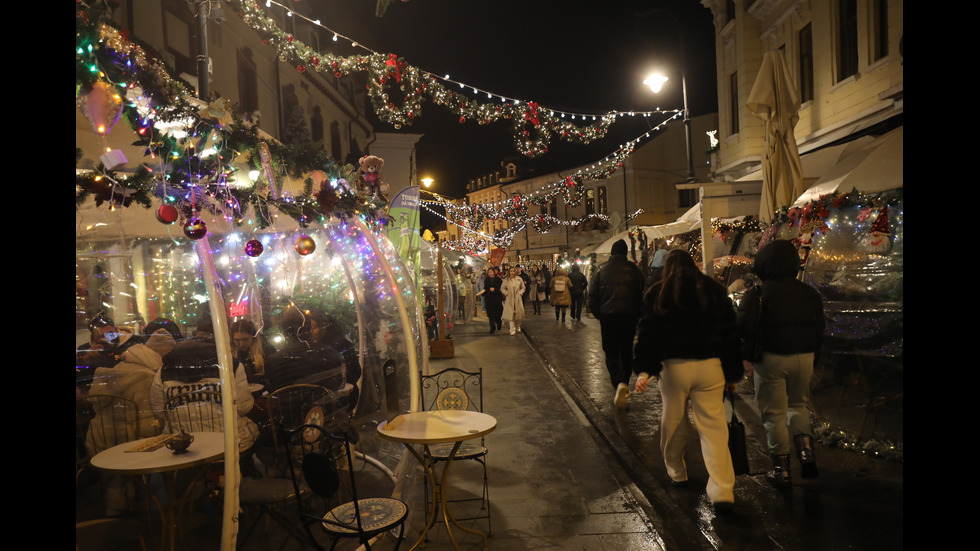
x,y
207,447
438,427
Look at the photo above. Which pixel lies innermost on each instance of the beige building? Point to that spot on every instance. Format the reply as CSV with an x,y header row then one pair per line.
x,y
844,55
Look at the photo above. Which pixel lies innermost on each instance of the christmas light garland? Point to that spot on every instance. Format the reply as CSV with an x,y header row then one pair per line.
x,y
397,89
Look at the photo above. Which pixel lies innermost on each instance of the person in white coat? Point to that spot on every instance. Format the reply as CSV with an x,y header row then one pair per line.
x,y
513,291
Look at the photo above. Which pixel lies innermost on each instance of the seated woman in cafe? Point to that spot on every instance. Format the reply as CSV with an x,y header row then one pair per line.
x,y
302,359
326,332
193,365
251,351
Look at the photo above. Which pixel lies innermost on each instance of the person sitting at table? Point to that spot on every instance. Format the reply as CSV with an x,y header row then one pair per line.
x,y
130,378
326,332
193,365
301,359
104,349
250,350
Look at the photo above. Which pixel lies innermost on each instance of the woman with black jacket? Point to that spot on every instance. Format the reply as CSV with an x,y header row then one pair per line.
x,y
787,316
688,341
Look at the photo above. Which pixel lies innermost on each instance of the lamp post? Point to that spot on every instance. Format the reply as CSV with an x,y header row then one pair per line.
x,y
656,81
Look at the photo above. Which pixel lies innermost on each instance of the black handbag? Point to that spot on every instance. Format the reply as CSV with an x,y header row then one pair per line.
x,y
752,347
736,440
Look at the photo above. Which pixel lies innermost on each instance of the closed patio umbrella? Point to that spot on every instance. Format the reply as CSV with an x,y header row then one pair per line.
x,y
774,99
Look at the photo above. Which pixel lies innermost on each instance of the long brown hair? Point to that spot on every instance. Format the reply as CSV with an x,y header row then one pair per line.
x,y
684,287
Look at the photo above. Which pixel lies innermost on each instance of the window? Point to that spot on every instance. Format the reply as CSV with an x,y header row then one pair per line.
x,y
248,87
733,102
729,10
589,202
879,21
603,203
554,208
687,198
335,145
316,125
847,54
179,31
806,63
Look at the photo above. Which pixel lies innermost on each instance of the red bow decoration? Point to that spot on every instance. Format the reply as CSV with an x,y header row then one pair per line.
x,y
397,65
569,182
532,113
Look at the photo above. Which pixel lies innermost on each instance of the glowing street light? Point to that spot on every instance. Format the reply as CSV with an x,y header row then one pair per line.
x,y
427,182
655,82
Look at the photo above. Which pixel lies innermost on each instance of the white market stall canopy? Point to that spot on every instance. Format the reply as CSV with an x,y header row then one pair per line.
x,y
688,221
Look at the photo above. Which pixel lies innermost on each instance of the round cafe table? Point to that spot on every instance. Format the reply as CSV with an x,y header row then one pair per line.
x,y
207,447
438,427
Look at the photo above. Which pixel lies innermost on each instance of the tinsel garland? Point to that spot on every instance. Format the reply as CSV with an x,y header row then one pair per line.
x,y
183,175
830,437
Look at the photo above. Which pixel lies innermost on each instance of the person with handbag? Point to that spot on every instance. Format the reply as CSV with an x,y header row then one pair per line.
x,y
782,322
687,340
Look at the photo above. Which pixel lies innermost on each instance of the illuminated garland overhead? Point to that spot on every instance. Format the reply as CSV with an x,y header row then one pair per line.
x,y
397,90
196,154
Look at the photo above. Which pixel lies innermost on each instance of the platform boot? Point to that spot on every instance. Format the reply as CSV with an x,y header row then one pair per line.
x,y
780,475
808,459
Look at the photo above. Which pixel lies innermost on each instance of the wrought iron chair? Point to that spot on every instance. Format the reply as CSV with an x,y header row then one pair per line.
x,y
455,389
288,407
317,459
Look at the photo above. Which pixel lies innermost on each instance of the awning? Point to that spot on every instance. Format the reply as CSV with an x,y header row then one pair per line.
x,y
688,221
875,166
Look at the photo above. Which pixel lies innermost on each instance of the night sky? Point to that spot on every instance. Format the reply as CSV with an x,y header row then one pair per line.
x,y
588,57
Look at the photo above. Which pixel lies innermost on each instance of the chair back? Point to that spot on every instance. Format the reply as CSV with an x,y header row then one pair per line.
x,y
322,462
101,422
194,411
452,388
293,406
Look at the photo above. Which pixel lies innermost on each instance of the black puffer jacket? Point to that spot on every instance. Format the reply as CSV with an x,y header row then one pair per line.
x,y
791,319
616,288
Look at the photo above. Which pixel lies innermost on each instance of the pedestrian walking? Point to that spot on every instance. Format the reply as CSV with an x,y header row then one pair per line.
x,y
579,284
688,341
537,292
494,299
513,291
786,315
561,294
615,294
546,272
479,291
521,273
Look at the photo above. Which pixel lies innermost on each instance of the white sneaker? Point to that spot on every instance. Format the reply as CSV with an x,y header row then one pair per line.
x,y
622,394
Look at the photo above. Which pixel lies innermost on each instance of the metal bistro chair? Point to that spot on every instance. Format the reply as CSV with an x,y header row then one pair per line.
x,y
314,457
289,407
455,389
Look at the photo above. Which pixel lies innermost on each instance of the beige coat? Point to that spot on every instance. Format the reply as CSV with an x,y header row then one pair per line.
x,y
561,298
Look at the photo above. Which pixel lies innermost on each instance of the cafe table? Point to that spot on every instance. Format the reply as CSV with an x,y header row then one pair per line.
x,y
438,427
148,456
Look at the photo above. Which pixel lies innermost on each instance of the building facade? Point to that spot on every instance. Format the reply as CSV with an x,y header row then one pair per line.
x,y
844,55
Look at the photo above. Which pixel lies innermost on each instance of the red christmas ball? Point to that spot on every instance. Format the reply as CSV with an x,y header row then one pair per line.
x,y
195,228
305,245
301,68
167,214
254,248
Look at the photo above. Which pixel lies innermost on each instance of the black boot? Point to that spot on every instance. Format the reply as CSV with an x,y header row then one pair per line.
x,y
780,475
808,460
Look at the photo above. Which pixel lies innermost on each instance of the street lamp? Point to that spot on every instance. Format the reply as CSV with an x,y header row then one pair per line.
x,y
427,182
656,82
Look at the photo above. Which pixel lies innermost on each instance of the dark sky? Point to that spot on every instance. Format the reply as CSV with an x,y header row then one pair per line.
x,y
588,57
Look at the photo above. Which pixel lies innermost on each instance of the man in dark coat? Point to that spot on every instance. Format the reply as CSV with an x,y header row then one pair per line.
x,y
615,296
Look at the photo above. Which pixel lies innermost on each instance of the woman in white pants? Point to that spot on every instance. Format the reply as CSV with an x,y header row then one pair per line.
x,y
688,340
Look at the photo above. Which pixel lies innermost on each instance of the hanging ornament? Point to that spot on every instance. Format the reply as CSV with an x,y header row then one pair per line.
x,y
167,214
102,107
253,248
195,228
305,245
878,239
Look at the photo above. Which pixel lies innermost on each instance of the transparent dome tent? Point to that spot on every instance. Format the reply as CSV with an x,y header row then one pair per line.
x,y
429,287
132,269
